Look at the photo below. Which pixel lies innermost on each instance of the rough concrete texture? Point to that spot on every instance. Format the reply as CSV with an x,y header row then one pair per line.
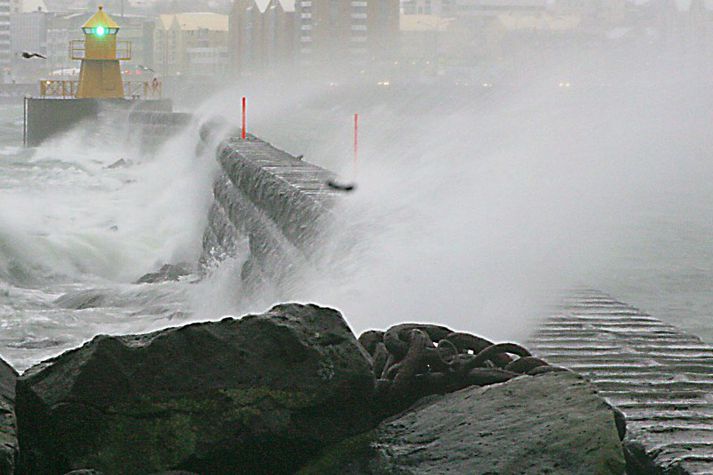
x,y
660,377
549,424
273,201
260,394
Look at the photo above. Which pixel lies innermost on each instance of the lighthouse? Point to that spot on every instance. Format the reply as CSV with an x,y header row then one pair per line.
x,y
100,54
66,103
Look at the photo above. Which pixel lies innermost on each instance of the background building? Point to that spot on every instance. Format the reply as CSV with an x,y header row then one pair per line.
x,y
194,44
28,31
262,36
352,31
5,46
61,28
496,7
383,29
427,7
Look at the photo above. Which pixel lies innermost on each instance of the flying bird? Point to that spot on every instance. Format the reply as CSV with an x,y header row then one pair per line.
x,y
345,187
27,55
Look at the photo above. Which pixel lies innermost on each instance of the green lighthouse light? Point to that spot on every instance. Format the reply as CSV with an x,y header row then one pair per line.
x,y
100,31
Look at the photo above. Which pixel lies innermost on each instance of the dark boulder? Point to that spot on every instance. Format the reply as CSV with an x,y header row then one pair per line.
x,y
553,423
168,272
95,472
261,394
8,427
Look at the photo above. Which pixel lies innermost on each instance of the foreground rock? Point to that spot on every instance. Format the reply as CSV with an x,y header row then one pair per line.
x,y
257,395
553,423
8,430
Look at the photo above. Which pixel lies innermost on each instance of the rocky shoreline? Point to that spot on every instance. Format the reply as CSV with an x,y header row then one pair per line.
x,y
294,391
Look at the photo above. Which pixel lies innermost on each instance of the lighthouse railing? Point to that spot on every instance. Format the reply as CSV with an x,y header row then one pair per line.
x,y
64,88
78,51
67,89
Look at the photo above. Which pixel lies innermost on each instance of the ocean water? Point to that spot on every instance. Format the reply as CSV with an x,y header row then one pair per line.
x,y
464,208
76,232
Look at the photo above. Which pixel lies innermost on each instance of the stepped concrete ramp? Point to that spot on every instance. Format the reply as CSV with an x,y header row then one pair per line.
x,y
660,377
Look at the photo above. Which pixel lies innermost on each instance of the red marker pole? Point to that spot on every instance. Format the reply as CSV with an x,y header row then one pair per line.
x,y
245,115
356,142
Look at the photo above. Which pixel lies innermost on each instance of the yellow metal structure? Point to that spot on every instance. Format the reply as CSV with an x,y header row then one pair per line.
x,y
58,88
67,89
100,53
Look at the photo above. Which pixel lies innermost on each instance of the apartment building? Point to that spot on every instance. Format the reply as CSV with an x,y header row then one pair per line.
x,y
5,45
193,44
334,31
262,36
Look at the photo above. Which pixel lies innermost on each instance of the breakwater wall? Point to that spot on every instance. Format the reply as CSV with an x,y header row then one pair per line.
x,y
269,208
155,127
45,118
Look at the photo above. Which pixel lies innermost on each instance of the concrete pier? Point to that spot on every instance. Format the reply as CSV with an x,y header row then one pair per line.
x,y
45,118
660,377
273,200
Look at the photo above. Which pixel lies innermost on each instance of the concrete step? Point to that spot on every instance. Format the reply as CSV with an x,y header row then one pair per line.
x,y
660,377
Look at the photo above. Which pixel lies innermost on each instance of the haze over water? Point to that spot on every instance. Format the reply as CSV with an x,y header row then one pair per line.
x,y
475,206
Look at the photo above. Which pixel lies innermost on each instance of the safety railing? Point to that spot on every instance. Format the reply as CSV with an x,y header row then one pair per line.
x,y
143,89
78,51
67,88
64,88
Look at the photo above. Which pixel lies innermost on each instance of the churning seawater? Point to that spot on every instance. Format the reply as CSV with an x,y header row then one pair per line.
x,y
75,232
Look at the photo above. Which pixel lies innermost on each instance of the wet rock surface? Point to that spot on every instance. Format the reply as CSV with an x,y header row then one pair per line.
x,y
95,472
8,428
168,272
261,394
293,391
552,423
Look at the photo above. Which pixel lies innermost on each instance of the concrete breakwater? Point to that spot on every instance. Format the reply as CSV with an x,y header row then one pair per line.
x,y
274,201
156,127
45,118
268,205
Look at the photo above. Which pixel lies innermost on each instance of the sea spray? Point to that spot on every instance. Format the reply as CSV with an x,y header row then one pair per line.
x,y
474,207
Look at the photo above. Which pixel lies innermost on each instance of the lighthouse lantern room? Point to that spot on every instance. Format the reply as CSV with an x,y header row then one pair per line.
x,y
100,54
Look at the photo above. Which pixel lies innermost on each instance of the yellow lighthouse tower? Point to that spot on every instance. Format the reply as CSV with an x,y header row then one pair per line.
x,y
64,103
100,54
